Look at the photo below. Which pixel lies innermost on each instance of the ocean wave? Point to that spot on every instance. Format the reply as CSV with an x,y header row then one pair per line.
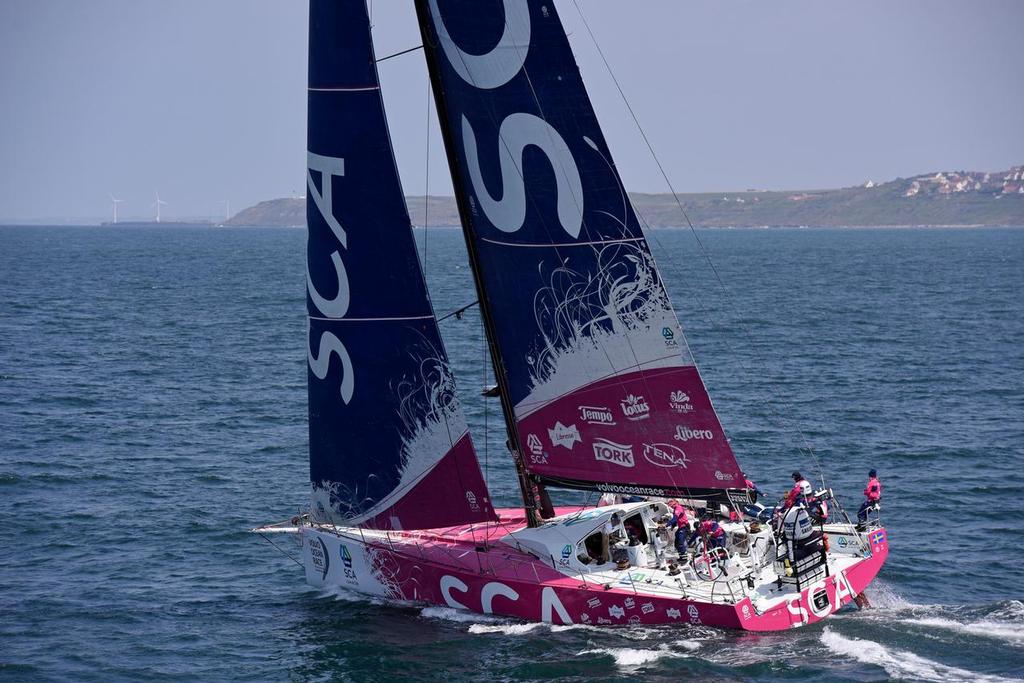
x,y
898,663
626,657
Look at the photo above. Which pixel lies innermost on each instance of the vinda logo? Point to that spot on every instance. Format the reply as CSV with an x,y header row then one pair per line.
x,y
595,415
635,407
679,401
615,453
665,455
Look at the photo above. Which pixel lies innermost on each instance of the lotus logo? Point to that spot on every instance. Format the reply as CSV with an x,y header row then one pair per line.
x,y
596,415
664,455
564,436
635,407
684,433
679,401
615,453
534,444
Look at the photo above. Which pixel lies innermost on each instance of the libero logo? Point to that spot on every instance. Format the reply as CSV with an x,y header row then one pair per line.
x,y
635,407
596,415
684,433
615,453
664,455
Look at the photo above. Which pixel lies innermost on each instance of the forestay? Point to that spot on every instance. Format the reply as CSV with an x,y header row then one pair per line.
x,y
389,445
604,394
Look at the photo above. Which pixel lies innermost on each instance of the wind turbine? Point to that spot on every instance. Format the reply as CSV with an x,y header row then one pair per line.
x,y
157,204
115,202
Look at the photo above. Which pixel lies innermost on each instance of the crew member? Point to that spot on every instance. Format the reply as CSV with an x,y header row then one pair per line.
x,y
817,508
872,494
680,521
710,530
609,533
752,491
801,487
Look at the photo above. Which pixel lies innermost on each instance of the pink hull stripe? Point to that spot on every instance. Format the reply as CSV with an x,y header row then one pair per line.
x,y
440,567
652,428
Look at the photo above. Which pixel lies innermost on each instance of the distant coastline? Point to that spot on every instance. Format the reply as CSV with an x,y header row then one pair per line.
x,y
941,199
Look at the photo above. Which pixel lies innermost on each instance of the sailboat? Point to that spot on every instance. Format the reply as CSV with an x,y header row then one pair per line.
x,y
597,388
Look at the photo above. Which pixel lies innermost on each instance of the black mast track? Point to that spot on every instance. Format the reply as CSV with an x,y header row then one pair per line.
x,y
465,214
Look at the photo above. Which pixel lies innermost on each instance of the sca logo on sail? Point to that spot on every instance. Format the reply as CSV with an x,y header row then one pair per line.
x,y
635,407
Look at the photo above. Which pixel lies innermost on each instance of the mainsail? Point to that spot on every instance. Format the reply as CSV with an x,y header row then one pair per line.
x,y
588,350
389,445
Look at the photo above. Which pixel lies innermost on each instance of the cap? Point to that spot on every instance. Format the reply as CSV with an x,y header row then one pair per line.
x,y
797,476
872,473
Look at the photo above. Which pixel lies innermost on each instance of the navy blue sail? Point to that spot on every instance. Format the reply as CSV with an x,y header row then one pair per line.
x,y
588,350
389,447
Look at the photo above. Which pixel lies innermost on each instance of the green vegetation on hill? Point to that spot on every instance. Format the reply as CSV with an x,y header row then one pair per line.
x,y
952,198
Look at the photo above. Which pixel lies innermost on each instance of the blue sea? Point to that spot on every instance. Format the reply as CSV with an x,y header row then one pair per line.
x,y
153,410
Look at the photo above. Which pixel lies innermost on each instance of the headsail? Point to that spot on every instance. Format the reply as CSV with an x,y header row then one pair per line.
x,y
389,444
604,394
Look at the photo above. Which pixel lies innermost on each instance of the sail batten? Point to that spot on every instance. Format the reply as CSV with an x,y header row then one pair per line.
x,y
389,443
587,346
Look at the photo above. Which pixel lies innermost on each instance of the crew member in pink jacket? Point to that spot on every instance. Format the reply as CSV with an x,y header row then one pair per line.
x,y
872,494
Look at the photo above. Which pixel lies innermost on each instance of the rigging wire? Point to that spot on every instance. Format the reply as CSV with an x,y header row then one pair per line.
x,y
399,53
707,257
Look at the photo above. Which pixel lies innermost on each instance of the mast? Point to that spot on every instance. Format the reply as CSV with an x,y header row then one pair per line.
x,y
486,313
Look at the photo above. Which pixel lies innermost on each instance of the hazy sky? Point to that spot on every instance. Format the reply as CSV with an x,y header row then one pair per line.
x,y
204,100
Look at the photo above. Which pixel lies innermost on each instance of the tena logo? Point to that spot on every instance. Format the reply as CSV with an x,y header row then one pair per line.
x,y
684,433
564,436
635,407
680,402
609,451
665,455
596,415
534,444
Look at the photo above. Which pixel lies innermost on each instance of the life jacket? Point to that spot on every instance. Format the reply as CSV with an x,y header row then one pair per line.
x,y
712,529
795,492
681,518
873,491
750,485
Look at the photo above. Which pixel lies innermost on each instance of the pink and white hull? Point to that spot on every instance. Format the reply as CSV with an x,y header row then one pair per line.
x,y
502,569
